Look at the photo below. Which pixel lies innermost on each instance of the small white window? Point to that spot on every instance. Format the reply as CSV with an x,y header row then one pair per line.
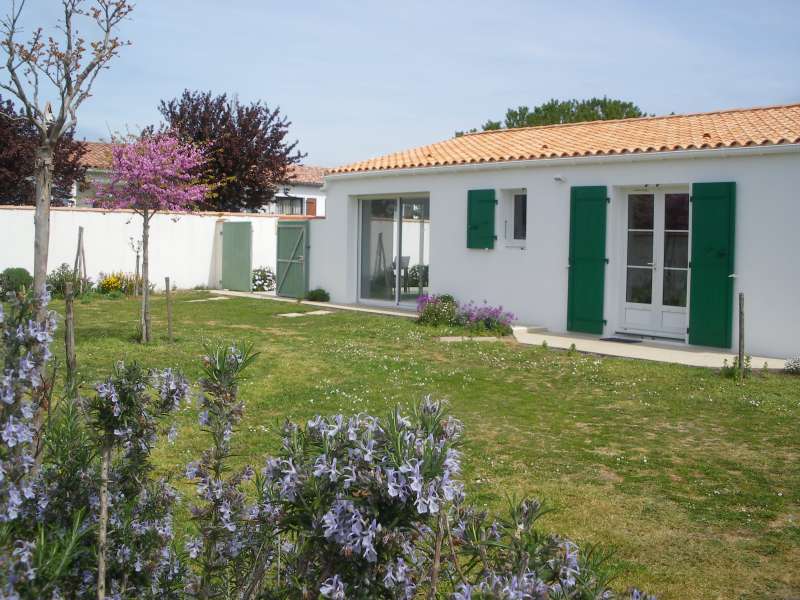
x,y
516,217
520,217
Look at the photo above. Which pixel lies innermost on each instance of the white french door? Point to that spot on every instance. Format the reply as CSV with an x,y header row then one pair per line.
x,y
657,263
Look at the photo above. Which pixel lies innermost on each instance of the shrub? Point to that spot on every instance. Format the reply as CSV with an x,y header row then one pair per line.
x,y
792,366
318,295
485,318
57,279
263,279
735,370
119,281
14,279
444,310
436,310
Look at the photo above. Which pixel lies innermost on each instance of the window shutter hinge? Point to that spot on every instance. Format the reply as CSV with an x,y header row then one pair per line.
x,y
608,200
687,330
607,261
605,322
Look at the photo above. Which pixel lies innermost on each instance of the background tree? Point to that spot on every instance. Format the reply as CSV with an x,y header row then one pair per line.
x,y
247,148
18,142
62,67
555,112
157,172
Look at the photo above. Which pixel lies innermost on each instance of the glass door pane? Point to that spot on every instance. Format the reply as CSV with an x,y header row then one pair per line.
x,y
676,249
415,240
378,249
639,284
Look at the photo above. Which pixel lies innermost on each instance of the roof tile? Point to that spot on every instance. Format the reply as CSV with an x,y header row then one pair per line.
x,y
770,125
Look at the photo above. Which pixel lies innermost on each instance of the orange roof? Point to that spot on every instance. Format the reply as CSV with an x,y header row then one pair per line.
x,y
306,175
98,156
723,129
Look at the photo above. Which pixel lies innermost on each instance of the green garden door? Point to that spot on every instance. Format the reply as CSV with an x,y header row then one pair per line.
x,y
587,259
292,275
237,254
712,266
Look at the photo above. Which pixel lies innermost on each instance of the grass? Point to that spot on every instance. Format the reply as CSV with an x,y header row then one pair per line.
x,y
693,478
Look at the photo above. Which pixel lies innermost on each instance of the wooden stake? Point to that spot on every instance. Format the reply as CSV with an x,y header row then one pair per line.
x,y
76,271
136,283
69,332
741,333
169,309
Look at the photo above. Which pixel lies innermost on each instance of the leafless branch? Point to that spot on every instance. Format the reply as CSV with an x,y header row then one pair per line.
x,y
70,65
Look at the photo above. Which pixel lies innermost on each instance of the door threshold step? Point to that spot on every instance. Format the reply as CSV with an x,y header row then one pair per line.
x,y
536,329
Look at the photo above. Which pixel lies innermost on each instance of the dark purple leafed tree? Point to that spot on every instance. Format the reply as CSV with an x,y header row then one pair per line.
x,y
18,142
249,154
157,173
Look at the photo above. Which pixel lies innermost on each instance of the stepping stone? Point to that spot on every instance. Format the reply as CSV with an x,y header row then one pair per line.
x,y
312,313
449,339
206,299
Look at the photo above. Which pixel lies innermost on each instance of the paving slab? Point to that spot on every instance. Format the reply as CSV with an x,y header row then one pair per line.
x,y
449,339
207,299
660,352
375,310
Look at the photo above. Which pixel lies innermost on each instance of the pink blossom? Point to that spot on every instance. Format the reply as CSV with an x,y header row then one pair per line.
x,y
155,173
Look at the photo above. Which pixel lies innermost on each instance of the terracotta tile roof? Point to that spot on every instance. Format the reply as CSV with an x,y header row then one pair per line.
x,y
98,156
307,175
723,129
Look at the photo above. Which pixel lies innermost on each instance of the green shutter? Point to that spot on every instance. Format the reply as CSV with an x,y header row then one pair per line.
x,y
587,259
480,219
711,288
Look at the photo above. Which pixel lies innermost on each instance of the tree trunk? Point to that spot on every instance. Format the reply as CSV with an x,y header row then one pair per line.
x,y
43,175
102,525
146,276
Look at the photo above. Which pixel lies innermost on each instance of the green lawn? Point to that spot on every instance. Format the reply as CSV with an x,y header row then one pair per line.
x,y
693,478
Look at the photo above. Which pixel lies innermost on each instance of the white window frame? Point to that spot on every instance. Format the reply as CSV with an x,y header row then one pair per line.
x,y
507,217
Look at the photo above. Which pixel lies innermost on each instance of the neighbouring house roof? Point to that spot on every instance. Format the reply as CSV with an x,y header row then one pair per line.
x,y
769,125
307,175
98,156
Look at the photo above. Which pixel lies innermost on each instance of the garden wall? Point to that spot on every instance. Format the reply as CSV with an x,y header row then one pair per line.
x,y
186,248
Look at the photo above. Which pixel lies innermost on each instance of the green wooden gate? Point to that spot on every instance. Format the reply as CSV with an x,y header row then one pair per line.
x,y
292,275
587,259
237,255
711,288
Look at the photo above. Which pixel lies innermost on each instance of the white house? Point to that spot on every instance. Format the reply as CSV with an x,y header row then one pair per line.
x,y
300,195
640,227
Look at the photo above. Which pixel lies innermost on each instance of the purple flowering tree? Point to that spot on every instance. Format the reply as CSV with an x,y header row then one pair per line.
x,y
156,173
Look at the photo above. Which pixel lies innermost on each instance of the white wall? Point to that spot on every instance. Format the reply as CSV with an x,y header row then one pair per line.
x,y
532,282
187,248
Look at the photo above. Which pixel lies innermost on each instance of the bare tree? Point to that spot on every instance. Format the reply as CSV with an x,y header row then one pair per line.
x,y
51,78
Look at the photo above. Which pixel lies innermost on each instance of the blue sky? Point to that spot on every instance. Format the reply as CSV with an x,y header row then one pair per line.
x,y
358,79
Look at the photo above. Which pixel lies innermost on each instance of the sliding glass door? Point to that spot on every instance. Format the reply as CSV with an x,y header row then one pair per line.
x,y
395,249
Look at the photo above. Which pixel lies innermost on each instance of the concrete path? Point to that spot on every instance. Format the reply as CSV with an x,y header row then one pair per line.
x,y
392,312
660,352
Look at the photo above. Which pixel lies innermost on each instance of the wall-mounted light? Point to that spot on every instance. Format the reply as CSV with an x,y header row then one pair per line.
x,y
559,178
